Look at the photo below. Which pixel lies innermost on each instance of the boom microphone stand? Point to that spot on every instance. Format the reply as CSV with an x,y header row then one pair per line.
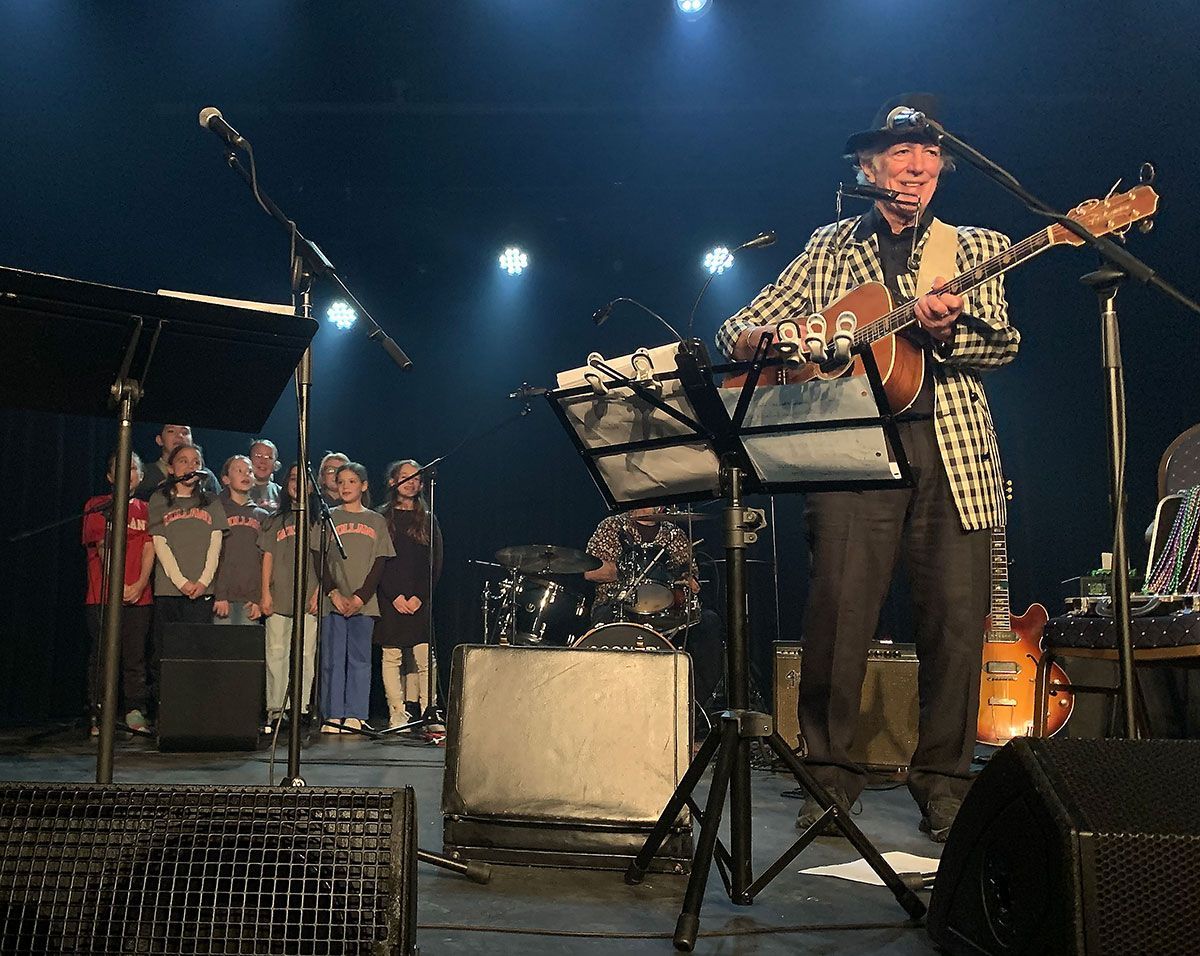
x,y
1119,264
435,715
306,263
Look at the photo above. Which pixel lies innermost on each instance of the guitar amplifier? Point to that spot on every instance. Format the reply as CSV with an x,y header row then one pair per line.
x,y
887,722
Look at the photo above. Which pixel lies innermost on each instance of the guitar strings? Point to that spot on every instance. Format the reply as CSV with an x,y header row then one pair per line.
x,y
904,314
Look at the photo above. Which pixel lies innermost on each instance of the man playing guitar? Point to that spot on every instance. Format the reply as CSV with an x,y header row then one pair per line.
x,y
941,525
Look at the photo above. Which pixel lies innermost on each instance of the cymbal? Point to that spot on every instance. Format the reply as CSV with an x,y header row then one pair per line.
x,y
546,559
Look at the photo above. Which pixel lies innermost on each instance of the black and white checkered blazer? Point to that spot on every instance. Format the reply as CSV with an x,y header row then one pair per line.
x,y
845,254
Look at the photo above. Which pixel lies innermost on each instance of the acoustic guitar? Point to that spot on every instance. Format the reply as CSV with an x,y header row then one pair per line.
x,y
875,320
1011,651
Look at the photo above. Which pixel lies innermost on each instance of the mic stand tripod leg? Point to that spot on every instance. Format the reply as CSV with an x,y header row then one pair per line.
x,y
474,870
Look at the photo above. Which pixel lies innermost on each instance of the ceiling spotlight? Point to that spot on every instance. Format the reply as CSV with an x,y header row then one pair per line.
x,y
342,315
693,8
513,261
718,259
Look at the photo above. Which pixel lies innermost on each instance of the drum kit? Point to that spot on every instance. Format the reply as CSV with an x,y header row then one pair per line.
x,y
651,611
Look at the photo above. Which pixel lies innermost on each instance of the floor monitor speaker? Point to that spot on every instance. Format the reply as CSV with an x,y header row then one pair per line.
x,y
1075,846
106,868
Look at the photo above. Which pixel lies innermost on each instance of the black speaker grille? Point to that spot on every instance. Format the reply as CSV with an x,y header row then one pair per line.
x,y
1123,786
1136,807
203,870
1147,893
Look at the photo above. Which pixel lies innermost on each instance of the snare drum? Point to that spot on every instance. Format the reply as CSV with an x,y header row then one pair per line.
x,y
623,637
680,609
534,611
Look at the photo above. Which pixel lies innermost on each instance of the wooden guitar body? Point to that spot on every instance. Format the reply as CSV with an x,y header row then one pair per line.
x,y
901,364
1007,689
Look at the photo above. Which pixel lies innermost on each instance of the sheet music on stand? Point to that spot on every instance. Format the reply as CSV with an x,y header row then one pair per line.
x,y
659,437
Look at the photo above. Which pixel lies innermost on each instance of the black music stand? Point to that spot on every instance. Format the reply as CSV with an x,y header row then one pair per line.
x,y
661,436
87,349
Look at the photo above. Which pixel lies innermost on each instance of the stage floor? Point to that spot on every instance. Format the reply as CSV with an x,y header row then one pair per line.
x,y
533,910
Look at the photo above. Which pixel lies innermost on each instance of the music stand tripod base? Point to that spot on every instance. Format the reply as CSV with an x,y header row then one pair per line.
x,y
729,753
774,439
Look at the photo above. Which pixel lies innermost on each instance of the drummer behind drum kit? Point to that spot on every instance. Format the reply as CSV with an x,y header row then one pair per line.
x,y
651,612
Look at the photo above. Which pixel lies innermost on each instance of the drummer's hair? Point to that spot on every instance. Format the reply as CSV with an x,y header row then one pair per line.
x,y
419,530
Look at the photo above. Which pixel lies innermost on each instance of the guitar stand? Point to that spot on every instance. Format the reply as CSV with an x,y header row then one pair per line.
x,y
729,753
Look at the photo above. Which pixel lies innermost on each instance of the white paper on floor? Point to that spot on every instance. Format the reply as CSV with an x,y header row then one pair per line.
x,y
859,871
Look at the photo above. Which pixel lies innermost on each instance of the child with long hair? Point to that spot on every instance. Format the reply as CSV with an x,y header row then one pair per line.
x,y
351,606
237,588
405,594
278,545
187,524
136,597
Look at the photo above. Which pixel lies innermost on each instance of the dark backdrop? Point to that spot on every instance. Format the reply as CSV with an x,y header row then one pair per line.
x,y
615,141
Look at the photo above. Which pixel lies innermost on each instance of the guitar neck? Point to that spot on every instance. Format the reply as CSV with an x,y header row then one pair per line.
x,y
904,315
1000,604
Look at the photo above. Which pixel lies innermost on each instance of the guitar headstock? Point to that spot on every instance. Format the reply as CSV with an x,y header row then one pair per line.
x,y
1113,214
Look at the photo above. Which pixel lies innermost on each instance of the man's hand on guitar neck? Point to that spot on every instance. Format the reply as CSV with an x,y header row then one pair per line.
x,y
937,311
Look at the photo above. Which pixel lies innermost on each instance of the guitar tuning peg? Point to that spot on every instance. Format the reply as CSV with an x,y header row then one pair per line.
x,y
1147,174
1145,226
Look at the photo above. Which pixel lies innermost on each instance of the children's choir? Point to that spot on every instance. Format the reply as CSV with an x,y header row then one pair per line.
x,y
200,551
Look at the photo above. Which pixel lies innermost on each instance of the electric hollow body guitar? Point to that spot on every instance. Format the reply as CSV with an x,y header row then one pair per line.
x,y
1011,651
865,316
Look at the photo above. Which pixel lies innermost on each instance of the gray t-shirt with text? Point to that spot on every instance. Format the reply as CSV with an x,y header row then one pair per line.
x,y
365,537
239,575
187,527
278,539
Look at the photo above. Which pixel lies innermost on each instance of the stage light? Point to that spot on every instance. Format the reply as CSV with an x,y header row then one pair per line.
x,y
693,8
718,259
341,315
514,261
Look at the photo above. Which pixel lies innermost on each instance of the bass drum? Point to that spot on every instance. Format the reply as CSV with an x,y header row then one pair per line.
x,y
623,637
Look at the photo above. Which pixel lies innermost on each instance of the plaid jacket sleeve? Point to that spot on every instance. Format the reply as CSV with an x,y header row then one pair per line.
x,y
784,298
983,339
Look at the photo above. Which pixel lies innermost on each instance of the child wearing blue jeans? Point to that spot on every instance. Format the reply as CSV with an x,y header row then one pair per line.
x,y
350,606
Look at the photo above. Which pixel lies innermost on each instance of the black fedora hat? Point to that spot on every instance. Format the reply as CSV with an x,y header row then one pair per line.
x,y
880,136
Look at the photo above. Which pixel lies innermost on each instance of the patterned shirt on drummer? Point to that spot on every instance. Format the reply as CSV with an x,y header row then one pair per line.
x,y
617,539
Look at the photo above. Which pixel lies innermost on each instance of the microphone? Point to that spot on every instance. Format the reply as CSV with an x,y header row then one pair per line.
x,y
600,316
527,391
175,480
760,241
211,119
867,191
902,118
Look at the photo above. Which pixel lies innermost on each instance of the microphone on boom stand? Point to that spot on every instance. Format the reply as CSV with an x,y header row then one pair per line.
x,y
868,191
761,241
600,316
